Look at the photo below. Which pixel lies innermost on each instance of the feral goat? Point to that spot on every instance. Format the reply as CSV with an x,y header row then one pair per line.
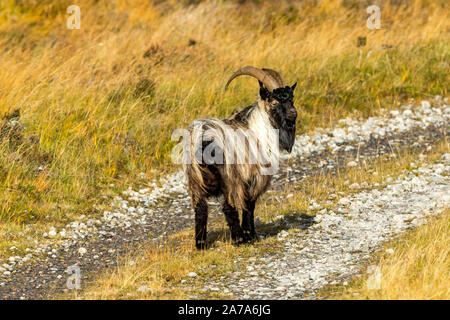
x,y
255,135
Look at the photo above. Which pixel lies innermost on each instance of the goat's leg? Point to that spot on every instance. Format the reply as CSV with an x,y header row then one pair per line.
x,y
248,223
232,217
201,220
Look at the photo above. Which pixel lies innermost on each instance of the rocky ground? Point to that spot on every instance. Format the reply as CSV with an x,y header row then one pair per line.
x,y
162,208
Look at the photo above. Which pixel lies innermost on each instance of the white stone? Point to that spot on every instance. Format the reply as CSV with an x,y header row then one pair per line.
x,y
143,288
52,233
352,164
354,186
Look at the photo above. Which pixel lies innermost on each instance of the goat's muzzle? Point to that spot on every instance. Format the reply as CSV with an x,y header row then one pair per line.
x,y
291,114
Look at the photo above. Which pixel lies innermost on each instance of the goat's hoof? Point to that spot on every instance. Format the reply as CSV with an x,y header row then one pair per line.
x,y
238,241
249,237
200,245
244,240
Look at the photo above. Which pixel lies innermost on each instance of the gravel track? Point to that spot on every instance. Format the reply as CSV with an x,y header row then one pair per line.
x,y
163,207
333,246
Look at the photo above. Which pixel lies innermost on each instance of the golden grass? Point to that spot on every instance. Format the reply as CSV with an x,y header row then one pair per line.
x,y
162,269
418,268
101,102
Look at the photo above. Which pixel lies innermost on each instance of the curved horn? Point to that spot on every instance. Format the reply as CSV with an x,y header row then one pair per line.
x,y
276,76
264,77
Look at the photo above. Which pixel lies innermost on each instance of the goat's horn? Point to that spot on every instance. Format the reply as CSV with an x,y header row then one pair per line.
x,y
265,77
276,76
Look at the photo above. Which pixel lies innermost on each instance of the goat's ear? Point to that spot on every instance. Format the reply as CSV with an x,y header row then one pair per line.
x,y
263,92
293,86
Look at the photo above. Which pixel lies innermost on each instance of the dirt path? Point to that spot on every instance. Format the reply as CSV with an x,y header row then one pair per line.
x,y
158,211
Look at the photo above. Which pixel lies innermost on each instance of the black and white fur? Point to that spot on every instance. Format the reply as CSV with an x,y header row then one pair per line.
x,y
241,184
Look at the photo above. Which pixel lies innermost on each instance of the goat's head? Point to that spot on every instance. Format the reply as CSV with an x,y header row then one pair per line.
x,y
277,100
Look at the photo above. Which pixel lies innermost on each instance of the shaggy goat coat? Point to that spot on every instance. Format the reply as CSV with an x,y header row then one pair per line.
x,y
242,148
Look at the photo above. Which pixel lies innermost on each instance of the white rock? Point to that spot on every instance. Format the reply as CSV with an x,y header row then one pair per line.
x,y
352,164
446,158
344,201
143,288
407,113
354,186
52,233
283,234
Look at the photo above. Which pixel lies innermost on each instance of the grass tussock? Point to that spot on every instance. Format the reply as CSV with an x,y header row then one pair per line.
x,y
98,105
162,269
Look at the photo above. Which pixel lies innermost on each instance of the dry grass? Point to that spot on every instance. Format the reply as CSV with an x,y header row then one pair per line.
x,y
162,269
99,104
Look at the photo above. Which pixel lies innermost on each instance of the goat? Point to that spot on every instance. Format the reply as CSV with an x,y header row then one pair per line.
x,y
269,124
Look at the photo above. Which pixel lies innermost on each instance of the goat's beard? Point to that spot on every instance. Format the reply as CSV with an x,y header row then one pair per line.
x,y
286,136
286,129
